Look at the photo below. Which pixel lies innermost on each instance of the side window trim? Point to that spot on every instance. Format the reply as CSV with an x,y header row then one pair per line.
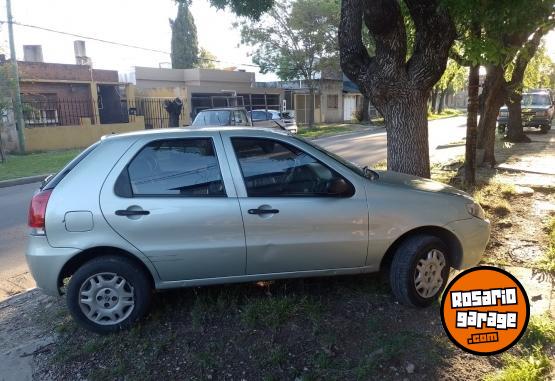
x,y
288,146
125,178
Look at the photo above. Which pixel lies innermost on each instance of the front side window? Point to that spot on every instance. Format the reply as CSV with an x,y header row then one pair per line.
x,y
177,167
239,118
276,169
258,115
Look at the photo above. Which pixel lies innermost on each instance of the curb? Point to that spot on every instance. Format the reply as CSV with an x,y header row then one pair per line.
x,y
22,181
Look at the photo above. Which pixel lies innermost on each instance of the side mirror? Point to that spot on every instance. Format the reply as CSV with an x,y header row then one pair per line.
x,y
339,187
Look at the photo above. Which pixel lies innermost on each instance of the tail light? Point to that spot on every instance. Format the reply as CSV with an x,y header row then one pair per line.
x,y
37,209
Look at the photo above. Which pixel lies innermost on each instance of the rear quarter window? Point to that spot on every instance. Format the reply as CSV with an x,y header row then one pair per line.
x,y
55,180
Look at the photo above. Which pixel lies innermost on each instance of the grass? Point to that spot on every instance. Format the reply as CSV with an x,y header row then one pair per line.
x,y
447,113
324,130
35,164
535,350
547,263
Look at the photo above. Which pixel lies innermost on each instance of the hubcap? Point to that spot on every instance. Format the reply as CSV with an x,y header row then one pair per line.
x,y
106,298
428,277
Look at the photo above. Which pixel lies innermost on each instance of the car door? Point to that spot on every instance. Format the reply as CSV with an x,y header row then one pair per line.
x,y
293,221
174,200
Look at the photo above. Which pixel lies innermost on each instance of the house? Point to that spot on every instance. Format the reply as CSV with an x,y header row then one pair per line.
x,y
67,105
336,99
198,89
62,94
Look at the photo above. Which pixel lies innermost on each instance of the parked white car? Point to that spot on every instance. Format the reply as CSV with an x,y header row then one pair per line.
x,y
288,121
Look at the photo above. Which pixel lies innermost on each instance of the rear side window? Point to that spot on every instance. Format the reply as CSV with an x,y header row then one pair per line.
x,y
55,180
176,167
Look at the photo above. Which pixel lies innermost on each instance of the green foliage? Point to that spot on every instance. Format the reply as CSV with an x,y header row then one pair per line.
x,y
295,39
252,9
35,164
185,50
454,77
206,59
540,72
531,368
505,25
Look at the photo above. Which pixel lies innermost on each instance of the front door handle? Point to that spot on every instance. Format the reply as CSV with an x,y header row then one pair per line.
x,y
128,212
263,211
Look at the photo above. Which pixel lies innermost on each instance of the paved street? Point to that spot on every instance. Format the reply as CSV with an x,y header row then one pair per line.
x,y
368,148
362,147
14,203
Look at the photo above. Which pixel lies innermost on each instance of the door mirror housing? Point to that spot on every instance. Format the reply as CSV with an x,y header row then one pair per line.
x,y
340,188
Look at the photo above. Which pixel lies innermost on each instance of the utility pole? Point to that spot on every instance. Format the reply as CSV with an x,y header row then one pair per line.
x,y
18,108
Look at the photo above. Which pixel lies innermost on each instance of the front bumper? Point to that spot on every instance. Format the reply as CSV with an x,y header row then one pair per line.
x,y
292,129
473,234
535,121
46,262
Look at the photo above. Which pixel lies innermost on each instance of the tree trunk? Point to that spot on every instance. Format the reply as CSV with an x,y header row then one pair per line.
x,y
406,122
493,99
435,91
441,105
515,130
365,111
471,126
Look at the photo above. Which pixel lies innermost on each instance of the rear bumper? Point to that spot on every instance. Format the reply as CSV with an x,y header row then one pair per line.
x,y
46,262
293,129
473,234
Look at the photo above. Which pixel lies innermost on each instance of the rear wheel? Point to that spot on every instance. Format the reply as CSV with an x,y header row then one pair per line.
x,y
501,128
108,294
419,270
544,128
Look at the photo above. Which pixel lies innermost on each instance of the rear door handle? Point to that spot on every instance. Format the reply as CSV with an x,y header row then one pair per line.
x,y
263,211
132,212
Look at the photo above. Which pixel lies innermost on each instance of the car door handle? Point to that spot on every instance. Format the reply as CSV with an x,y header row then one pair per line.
x,y
263,211
132,212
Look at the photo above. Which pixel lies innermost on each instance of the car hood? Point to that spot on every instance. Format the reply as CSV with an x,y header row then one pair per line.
x,y
418,183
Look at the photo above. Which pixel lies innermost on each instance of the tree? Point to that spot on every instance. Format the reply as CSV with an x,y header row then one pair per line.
x,y
207,60
539,71
513,86
398,87
502,28
296,40
452,80
184,43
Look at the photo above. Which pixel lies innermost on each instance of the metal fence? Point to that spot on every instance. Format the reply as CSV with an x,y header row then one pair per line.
x,y
60,112
152,109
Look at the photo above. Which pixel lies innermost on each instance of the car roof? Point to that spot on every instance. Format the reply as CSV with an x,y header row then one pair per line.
x,y
222,109
162,132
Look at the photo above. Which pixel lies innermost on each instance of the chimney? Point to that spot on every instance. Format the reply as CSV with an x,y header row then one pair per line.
x,y
32,53
81,53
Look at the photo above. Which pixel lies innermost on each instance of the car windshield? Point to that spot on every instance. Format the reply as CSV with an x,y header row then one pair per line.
x,y
362,171
535,100
213,118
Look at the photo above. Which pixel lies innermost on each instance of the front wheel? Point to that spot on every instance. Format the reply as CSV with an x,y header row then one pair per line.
x,y
501,128
108,294
419,270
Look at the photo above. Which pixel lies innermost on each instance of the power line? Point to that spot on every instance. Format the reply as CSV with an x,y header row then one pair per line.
x,y
117,43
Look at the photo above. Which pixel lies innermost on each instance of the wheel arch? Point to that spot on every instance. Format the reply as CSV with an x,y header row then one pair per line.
x,y
84,256
449,238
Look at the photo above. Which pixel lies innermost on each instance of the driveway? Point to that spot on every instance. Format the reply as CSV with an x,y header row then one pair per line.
x,y
365,148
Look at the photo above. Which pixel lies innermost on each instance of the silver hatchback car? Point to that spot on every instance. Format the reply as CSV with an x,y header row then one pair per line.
x,y
172,208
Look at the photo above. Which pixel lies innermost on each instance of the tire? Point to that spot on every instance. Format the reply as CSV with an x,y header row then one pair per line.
x,y
403,272
113,304
501,128
544,129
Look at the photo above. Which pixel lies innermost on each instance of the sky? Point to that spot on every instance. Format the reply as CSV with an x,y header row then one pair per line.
x,y
135,22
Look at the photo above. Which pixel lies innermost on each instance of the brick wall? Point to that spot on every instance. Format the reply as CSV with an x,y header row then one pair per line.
x,y
64,72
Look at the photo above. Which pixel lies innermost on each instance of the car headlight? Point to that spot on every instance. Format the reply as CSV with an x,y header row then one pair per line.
x,y
476,210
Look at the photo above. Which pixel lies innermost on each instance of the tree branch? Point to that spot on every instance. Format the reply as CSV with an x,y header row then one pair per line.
x,y
354,58
435,33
